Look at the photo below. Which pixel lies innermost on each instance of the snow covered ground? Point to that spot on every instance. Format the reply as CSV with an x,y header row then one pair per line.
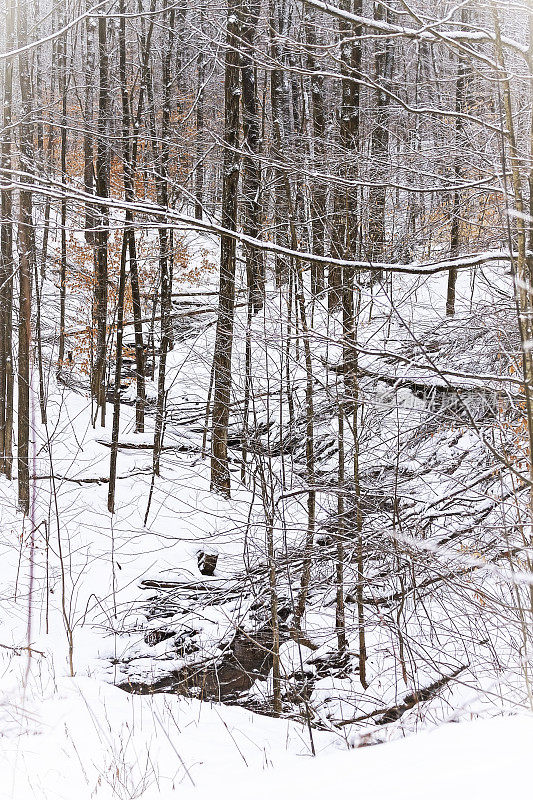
x,y
85,739
82,736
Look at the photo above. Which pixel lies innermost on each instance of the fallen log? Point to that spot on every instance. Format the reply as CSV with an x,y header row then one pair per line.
x,y
394,713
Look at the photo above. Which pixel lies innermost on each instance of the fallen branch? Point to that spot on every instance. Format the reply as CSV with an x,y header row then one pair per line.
x,y
394,713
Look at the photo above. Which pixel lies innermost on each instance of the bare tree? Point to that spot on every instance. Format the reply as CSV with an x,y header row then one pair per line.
x,y
220,474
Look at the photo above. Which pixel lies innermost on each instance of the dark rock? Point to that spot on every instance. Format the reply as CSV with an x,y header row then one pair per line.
x,y
207,562
157,635
246,658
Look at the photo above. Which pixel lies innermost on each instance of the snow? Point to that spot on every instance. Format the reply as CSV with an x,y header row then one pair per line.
x,y
96,741
470,761
83,736
80,737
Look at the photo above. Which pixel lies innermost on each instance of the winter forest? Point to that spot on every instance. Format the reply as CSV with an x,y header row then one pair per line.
x,y
266,399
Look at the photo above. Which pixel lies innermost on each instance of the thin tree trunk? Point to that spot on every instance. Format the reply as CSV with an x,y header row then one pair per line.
x,y
251,179
305,580
220,475
63,265
342,280
460,104
340,623
118,373
279,106
345,238
102,232
6,259
128,233
26,260
165,263
88,168
522,272
377,195
140,359
319,192
200,144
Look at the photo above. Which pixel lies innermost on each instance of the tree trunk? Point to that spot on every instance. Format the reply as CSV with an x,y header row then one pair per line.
x,y
165,256
88,163
251,179
102,231
6,259
128,232
319,192
220,475
460,104
342,285
340,621
62,63
377,195
200,144
26,260
140,360
280,122
522,272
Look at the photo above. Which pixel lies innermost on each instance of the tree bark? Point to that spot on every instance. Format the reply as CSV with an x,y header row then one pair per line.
x,y
220,475
88,153
62,62
6,259
319,191
26,260
165,255
128,232
251,178
102,231
460,104
377,195
200,144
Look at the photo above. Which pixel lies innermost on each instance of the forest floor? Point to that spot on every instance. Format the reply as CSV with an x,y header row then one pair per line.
x,y
441,520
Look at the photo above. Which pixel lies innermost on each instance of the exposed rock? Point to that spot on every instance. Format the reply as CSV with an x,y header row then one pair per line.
x,y
207,562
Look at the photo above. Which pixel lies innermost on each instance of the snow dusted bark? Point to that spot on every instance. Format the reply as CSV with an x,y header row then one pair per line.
x,y
165,243
461,101
251,179
6,260
220,474
62,64
280,122
102,231
318,189
377,195
346,231
199,169
26,248
128,232
522,273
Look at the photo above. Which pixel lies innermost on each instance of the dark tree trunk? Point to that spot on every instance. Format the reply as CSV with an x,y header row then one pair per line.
x,y
62,63
342,280
280,122
251,178
377,195
461,90
26,260
200,144
319,194
165,255
6,260
102,231
88,154
128,232
140,360
220,475
345,234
